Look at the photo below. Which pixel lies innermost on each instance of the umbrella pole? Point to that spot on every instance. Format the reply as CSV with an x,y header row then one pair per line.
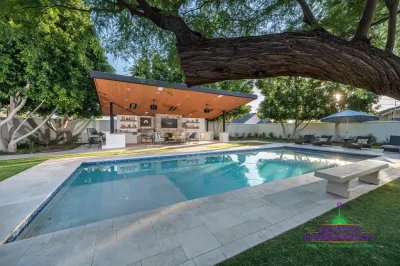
x,y
347,124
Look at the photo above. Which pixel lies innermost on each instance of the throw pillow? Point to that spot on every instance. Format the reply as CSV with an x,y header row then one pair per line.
x,y
362,141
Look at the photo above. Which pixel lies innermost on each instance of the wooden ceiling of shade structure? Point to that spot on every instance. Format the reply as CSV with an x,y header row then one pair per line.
x,y
189,102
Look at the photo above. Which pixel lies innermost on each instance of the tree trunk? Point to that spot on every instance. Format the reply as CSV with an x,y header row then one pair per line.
x,y
283,130
294,131
12,145
314,54
336,134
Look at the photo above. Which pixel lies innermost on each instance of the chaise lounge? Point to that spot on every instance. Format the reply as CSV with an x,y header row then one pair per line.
x,y
361,142
306,140
393,145
323,140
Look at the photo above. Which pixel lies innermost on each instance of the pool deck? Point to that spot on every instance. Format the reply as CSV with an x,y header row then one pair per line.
x,y
198,232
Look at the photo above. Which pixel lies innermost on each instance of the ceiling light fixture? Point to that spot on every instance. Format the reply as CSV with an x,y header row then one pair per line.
x,y
153,106
219,96
126,99
146,113
160,88
128,89
207,110
133,105
173,108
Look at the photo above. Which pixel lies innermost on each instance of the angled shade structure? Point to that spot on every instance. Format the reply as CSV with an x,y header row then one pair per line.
x,y
349,116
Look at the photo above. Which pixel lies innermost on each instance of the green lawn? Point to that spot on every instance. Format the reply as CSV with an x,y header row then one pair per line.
x,y
9,168
377,212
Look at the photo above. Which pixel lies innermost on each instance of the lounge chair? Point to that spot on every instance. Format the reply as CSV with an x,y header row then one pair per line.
x,y
157,139
393,145
306,140
194,137
361,142
323,140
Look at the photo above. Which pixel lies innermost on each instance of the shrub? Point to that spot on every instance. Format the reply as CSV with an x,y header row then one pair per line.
x,y
256,135
249,136
237,135
263,135
243,135
271,135
373,138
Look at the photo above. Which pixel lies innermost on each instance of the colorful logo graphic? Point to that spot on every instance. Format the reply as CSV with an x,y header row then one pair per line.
x,y
339,231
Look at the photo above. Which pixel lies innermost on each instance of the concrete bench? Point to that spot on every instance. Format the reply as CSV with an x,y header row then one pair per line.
x,y
339,177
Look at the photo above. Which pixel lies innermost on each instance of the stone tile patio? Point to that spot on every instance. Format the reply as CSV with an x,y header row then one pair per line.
x,y
203,231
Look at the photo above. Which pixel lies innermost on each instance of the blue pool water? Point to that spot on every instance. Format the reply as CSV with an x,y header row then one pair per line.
x,y
103,192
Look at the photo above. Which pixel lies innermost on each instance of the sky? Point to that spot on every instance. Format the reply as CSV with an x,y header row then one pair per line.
x,y
121,67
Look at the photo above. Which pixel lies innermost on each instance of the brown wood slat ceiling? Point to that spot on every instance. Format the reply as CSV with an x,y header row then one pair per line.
x,y
188,103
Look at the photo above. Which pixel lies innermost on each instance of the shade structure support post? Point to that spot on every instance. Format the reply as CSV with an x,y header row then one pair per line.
x,y
223,121
111,117
206,124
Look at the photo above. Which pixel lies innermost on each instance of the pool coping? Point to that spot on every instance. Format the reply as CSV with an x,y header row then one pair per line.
x,y
98,161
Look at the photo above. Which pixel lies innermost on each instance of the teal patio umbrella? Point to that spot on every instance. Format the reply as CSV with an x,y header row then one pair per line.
x,y
349,116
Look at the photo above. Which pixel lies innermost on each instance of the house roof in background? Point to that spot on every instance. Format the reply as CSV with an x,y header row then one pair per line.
x,y
264,121
244,119
388,110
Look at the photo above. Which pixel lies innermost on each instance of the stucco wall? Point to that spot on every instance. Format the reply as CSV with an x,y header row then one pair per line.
x,y
380,129
75,128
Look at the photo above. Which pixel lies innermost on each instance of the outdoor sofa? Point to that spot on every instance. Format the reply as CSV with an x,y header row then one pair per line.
x,y
324,140
362,142
305,140
393,145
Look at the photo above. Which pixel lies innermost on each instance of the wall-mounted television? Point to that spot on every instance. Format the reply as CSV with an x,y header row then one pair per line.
x,y
169,123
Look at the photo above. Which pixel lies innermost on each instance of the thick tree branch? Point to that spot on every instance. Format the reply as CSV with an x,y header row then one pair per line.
x,y
313,54
35,129
184,35
27,117
13,112
392,6
365,21
131,9
308,16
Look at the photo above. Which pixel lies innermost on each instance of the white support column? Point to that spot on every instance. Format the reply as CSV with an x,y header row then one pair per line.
x,y
224,137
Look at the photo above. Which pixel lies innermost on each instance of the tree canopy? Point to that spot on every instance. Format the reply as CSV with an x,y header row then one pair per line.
x,y
44,68
304,99
349,42
53,55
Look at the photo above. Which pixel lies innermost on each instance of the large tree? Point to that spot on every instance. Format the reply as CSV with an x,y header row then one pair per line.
x,y
350,42
44,68
303,100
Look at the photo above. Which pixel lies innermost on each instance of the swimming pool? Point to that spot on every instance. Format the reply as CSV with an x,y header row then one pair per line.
x,y
100,192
